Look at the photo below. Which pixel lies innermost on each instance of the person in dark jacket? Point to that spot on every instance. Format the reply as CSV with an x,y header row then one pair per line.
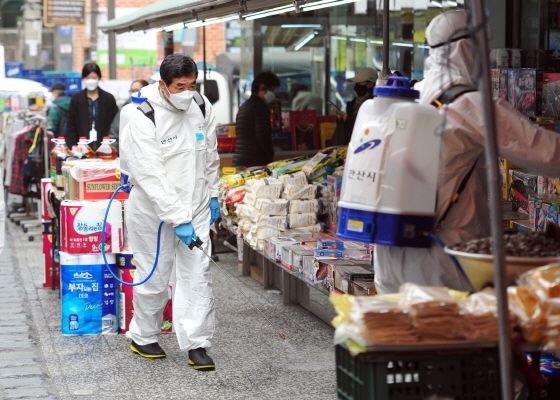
x,y
252,124
61,103
91,110
364,83
115,125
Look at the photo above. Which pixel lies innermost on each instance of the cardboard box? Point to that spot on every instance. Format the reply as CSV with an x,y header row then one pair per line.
x,y
328,253
276,244
49,269
345,274
303,128
330,244
287,255
298,258
551,95
523,185
46,185
91,180
361,288
81,224
547,207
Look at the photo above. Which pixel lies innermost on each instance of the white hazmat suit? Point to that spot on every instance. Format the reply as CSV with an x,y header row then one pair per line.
x,y
174,169
536,150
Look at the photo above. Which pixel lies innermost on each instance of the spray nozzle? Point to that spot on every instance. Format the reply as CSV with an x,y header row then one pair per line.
x,y
196,242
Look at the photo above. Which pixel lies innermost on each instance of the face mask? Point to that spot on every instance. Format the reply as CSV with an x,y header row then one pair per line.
x,y
91,84
182,100
269,97
361,90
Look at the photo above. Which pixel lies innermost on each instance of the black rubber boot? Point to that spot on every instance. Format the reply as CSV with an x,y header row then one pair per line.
x,y
200,360
152,350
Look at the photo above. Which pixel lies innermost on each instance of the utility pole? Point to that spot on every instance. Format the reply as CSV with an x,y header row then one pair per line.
x,y
112,42
93,32
32,33
168,47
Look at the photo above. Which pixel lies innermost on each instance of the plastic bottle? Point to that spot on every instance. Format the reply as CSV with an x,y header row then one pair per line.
x,y
515,58
390,177
75,154
58,155
502,58
106,151
83,147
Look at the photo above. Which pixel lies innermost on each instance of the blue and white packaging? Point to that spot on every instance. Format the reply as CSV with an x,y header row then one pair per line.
x,y
89,295
330,244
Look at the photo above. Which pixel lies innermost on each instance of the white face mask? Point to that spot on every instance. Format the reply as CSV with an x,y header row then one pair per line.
x,y
91,84
269,97
181,100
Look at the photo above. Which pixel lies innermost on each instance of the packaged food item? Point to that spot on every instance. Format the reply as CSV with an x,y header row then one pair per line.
x,y
84,148
297,179
525,305
270,221
304,206
301,220
265,188
544,280
272,206
105,150
345,274
294,192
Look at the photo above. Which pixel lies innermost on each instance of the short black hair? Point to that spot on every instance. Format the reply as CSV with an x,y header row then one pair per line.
x,y
296,88
89,68
142,82
266,78
177,66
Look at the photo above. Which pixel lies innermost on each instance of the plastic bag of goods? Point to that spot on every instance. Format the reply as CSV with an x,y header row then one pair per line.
x,y
296,192
270,221
265,188
298,178
272,206
304,206
301,220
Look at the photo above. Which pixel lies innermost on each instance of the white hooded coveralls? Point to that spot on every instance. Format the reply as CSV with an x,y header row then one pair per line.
x,y
536,150
174,169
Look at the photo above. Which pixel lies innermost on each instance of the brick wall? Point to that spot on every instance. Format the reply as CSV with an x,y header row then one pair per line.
x,y
215,43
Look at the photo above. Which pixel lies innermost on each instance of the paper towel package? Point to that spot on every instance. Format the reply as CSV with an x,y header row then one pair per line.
x,y
50,268
81,225
88,295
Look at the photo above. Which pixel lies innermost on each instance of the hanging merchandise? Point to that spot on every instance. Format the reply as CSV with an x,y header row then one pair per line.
x,y
390,178
106,151
58,155
84,148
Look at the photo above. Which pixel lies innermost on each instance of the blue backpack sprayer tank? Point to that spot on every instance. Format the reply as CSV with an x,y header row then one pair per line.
x,y
390,178
127,186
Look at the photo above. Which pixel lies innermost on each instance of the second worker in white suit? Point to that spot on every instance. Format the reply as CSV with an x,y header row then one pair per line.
x,y
173,164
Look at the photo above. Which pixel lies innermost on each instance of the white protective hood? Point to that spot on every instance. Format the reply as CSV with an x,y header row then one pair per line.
x,y
175,165
536,150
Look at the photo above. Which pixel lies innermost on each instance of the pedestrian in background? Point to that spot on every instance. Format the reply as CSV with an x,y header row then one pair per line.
x,y
58,113
91,110
252,124
115,125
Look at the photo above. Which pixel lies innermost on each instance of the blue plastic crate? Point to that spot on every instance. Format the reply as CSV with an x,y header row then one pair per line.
x,y
73,85
33,74
68,74
14,69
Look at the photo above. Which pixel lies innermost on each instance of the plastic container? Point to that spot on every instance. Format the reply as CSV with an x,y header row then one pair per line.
x,y
84,148
106,151
390,178
515,58
472,374
59,154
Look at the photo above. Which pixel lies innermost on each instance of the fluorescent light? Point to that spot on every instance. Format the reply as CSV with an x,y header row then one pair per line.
x,y
376,41
323,4
210,21
357,40
339,38
304,41
402,44
316,26
436,3
423,46
450,3
268,13
173,27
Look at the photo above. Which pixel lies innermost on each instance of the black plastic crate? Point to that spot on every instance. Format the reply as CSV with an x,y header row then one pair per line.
x,y
472,374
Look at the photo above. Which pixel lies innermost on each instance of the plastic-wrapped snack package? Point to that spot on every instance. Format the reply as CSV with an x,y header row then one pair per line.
x,y
481,311
295,192
529,311
302,219
436,315
297,179
263,232
270,221
304,206
269,188
229,181
552,333
246,211
250,199
545,281
272,206
318,227
235,195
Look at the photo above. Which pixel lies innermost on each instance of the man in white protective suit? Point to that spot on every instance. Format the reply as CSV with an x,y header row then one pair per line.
x,y
462,151
173,164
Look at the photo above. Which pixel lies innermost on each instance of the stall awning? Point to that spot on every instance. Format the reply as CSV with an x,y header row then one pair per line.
x,y
168,12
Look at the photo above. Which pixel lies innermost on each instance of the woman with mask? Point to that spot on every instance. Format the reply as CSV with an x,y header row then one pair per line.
x,y
252,124
91,110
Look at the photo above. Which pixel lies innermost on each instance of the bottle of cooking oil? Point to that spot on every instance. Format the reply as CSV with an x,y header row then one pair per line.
x,y
84,148
106,151
58,155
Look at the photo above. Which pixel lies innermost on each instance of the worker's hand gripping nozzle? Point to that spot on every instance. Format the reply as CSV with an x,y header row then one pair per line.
x,y
196,242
